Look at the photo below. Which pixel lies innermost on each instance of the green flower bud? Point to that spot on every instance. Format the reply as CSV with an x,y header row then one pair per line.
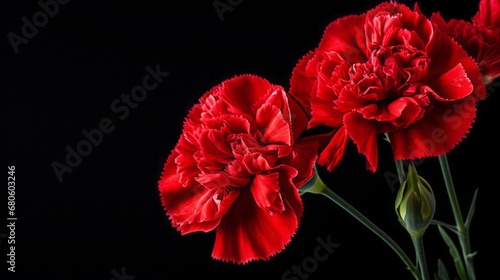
x,y
415,203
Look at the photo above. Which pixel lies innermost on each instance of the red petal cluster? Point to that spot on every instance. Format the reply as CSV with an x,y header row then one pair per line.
x,y
237,168
388,71
480,36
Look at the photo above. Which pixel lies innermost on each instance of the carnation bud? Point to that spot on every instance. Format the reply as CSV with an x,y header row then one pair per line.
x,y
415,203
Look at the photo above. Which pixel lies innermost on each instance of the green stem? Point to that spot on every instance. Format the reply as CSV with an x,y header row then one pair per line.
x,y
418,242
463,230
371,226
401,172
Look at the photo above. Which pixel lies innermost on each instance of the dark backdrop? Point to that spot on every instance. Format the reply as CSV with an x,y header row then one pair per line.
x,y
103,220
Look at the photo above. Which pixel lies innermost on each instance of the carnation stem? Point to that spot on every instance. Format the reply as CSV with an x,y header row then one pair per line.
x,y
401,172
462,229
418,242
324,190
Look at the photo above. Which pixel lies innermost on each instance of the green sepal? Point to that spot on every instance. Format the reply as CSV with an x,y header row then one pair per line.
x,y
314,185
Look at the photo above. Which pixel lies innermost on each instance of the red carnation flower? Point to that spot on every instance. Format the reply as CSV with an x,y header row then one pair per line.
x,y
480,36
237,168
388,71
488,13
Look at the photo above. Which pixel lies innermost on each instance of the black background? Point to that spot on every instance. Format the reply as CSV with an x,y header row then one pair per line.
x,y
106,215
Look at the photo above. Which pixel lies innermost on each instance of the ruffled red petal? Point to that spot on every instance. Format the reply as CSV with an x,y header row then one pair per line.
x,y
437,133
275,129
452,85
303,158
351,45
334,151
301,84
266,192
488,13
248,232
241,93
363,133
185,206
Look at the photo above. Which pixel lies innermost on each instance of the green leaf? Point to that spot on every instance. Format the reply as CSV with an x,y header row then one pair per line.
x,y
442,272
449,227
457,259
471,209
